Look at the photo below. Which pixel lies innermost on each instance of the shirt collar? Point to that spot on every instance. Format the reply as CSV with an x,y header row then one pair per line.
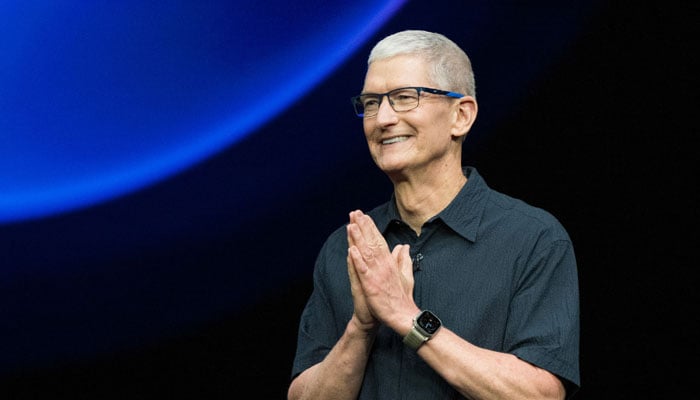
x,y
462,215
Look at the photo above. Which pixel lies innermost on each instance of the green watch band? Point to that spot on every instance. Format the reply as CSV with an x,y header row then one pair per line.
x,y
414,339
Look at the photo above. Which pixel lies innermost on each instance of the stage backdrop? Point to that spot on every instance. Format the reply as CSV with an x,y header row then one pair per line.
x,y
169,171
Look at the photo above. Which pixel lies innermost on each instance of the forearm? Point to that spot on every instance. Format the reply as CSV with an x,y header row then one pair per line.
x,y
482,374
339,376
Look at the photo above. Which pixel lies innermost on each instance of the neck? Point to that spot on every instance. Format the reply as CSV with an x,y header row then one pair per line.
x,y
419,198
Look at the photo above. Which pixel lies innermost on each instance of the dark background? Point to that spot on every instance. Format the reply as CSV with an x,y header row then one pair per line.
x,y
597,131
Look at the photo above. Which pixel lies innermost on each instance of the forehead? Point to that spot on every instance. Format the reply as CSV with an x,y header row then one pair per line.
x,y
394,72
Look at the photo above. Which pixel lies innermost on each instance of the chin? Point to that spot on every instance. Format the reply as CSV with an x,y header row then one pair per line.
x,y
393,171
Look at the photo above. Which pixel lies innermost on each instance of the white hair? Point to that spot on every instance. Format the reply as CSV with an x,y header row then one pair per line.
x,y
449,66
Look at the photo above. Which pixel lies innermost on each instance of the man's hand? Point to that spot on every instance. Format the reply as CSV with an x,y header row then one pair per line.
x,y
362,315
382,281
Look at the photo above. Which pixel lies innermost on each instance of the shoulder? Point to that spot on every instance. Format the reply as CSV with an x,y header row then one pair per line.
x,y
513,216
524,215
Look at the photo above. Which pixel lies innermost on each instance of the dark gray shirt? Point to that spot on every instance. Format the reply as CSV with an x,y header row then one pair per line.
x,y
498,272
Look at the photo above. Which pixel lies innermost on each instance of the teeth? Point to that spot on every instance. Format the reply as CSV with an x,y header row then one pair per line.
x,y
394,140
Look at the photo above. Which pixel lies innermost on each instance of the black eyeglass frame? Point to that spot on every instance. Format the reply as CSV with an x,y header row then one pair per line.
x,y
357,103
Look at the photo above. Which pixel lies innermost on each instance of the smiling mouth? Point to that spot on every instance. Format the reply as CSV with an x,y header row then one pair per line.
x,y
395,140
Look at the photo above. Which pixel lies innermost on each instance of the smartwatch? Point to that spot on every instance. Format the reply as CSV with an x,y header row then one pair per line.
x,y
425,325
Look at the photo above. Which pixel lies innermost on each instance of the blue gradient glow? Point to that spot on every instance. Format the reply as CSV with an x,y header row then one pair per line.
x,y
217,144
101,99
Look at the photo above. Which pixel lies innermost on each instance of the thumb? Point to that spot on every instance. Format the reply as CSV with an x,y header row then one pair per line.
x,y
402,254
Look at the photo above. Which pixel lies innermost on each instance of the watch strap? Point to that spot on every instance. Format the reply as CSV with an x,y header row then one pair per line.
x,y
415,338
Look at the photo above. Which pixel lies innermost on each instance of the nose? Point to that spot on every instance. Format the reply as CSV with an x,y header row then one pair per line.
x,y
386,111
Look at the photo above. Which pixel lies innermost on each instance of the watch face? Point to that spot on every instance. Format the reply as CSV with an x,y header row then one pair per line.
x,y
429,322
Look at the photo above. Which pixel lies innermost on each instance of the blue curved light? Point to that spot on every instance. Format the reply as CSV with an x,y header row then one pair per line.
x,y
101,99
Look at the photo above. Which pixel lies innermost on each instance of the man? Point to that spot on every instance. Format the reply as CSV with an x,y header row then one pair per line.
x,y
450,289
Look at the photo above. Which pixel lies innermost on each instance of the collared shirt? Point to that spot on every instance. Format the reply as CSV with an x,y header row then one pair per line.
x,y
498,272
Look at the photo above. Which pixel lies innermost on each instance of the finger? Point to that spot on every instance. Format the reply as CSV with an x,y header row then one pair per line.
x,y
358,240
373,238
358,260
355,285
366,225
397,251
354,215
351,241
351,264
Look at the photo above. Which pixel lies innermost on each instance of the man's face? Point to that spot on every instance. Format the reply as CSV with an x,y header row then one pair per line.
x,y
416,141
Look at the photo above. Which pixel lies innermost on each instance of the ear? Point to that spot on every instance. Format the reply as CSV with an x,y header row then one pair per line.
x,y
465,115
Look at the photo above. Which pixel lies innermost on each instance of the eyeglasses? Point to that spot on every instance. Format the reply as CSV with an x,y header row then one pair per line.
x,y
402,99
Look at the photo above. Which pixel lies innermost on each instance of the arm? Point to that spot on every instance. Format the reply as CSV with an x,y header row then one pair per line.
x,y
340,374
475,372
479,373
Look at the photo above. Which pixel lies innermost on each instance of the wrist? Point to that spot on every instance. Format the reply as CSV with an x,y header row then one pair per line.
x,y
358,327
425,326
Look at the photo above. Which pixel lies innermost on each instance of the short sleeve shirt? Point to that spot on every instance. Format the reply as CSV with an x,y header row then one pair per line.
x,y
498,272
